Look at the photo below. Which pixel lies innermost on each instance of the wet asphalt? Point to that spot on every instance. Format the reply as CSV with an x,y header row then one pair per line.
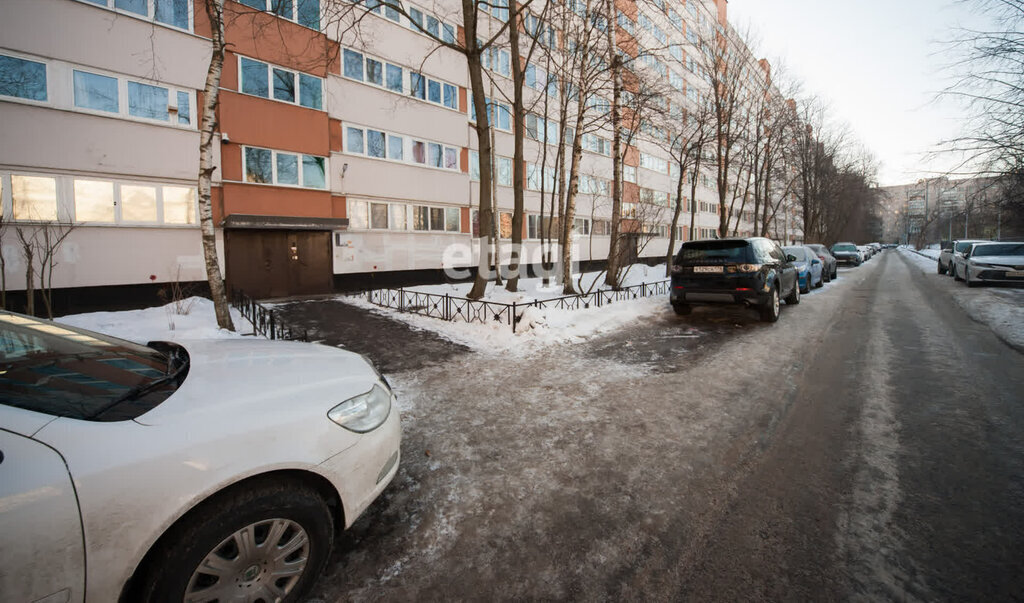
x,y
869,446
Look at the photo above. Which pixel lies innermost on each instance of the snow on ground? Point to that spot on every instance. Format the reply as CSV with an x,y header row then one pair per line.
x,y
193,318
531,289
1000,308
539,326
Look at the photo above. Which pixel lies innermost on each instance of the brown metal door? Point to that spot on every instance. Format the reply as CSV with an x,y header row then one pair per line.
x,y
309,262
278,263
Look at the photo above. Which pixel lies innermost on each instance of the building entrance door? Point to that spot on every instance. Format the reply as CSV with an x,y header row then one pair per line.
x,y
278,263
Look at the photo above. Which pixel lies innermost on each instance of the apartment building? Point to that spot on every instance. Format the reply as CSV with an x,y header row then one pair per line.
x,y
343,152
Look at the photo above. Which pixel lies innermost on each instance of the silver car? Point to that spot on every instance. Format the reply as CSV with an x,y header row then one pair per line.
x,y
994,263
951,251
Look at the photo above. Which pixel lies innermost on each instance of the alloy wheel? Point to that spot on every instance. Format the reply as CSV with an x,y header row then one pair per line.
x,y
259,563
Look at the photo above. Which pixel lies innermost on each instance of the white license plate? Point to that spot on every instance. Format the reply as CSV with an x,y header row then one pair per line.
x,y
1015,273
707,269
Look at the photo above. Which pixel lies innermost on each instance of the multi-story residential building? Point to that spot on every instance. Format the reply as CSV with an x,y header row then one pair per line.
x,y
340,158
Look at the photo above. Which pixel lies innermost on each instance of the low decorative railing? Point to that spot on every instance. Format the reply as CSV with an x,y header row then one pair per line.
x,y
451,308
263,320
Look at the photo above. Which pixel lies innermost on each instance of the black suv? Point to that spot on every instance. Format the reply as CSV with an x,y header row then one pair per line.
x,y
754,272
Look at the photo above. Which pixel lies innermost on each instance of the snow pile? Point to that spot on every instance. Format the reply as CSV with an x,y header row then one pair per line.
x,y
538,327
999,308
161,323
930,252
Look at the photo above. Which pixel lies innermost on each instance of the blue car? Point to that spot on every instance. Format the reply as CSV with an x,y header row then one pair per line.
x,y
809,268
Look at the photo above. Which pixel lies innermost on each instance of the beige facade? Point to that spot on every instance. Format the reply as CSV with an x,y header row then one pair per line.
x,y
113,164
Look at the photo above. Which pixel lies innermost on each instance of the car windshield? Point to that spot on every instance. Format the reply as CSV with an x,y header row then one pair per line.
x,y
999,249
798,252
844,247
58,370
963,246
715,252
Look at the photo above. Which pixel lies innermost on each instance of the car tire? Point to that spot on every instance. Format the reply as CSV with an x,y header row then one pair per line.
x,y
857,263
956,275
794,298
806,289
821,280
770,309
682,309
968,281
942,269
835,272
296,515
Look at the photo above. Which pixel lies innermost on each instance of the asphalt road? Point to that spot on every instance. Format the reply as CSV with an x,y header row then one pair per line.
x,y
869,445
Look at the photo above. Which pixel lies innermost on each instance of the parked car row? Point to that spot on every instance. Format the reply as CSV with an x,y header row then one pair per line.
x,y
754,272
977,262
210,470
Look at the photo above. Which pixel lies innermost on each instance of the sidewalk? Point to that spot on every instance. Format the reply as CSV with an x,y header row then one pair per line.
x,y
393,346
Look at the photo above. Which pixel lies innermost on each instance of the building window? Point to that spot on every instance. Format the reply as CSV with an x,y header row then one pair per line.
x,y
378,144
97,92
303,12
22,78
378,72
629,173
265,166
138,203
34,198
268,81
94,201
147,101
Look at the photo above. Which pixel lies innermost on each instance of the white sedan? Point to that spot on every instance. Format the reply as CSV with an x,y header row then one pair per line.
x,y
212,470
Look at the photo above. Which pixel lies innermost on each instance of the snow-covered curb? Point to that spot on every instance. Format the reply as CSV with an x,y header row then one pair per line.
x,y
999,308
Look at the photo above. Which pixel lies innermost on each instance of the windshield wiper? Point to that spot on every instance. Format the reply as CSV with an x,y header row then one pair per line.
x,y
178,356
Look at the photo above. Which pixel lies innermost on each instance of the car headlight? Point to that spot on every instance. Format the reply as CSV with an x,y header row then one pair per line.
x,y
676,269
364,412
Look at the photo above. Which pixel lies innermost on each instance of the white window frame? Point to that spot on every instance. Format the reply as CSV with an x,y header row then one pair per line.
x,y
406,87
270,84
47,65
407,148
122,98
273,166
67,210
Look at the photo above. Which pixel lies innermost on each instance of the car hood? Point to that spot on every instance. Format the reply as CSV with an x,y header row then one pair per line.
x,y
231,376
1002,260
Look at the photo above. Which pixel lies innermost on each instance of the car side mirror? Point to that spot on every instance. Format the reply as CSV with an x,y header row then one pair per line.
x,y
815,261
790,258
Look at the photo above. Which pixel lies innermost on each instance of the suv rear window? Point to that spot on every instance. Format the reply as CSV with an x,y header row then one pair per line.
x,y
842,247
715,252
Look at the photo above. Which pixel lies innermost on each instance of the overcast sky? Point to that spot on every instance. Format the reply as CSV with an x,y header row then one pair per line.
x,y
878,63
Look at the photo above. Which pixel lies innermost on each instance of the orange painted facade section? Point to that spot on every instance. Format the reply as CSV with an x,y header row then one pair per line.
x,y
231,161
626,6
463,100
229,74
464,160
251,120
264,200
291,44
465,220
334,125
723,12
217,204
339,206
630,192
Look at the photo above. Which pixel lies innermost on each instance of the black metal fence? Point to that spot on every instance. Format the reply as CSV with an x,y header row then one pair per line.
x,y
450,308
264,321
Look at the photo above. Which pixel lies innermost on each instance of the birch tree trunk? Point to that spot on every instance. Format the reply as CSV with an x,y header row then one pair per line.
x,y
518,117
207,126
612,276
482,127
